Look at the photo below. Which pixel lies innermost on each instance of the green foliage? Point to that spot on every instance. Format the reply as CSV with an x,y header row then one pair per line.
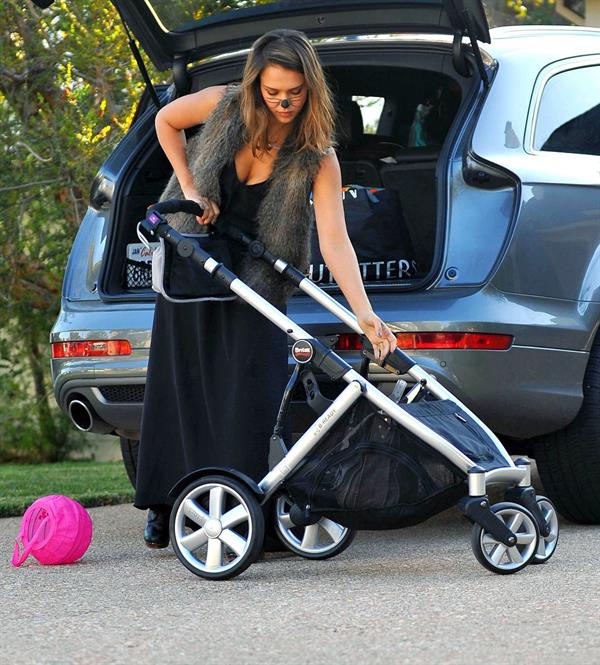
x,y
68,90
90,483
69,87
523,12
534,12
174,13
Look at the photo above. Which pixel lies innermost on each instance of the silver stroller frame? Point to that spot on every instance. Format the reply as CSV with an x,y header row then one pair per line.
x,y
505,538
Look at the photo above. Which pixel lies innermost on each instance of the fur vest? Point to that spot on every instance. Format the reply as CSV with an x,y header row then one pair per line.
x,y
285,214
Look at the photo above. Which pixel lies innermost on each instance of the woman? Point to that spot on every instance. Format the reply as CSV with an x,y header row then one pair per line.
x,y
217,370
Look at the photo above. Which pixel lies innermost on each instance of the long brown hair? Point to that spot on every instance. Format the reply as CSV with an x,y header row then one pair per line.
x,y
292,50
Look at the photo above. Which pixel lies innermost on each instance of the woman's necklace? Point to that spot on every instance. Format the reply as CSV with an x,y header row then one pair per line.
x,y
275,144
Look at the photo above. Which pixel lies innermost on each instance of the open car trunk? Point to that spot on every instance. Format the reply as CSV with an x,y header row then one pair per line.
x,y
396,107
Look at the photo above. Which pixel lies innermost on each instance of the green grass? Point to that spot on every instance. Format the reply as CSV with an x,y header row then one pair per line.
x,y
90,483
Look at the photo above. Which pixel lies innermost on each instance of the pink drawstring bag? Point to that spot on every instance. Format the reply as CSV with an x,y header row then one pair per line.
x,y
55,529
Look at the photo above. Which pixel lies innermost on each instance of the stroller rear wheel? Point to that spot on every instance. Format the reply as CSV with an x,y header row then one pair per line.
x,y
322,540
217,527
500,558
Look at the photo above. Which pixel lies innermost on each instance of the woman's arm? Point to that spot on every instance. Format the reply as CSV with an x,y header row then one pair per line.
x,y
170,122
340,257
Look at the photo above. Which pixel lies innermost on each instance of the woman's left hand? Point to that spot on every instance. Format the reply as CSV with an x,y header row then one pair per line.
x,y
380,336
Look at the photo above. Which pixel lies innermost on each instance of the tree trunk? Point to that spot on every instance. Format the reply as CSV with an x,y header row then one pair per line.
x,y
49,447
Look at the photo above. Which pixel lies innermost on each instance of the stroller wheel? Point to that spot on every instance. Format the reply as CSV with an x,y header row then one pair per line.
x,y
322,540
547,544
217,527
500,558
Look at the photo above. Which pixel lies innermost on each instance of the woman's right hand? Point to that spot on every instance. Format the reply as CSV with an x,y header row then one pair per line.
x,y
211,209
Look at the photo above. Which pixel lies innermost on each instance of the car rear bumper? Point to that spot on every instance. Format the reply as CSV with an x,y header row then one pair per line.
x,y
532,388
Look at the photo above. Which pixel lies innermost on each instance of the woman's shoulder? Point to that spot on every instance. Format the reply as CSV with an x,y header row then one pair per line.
x,y
193,109
328,164
210,97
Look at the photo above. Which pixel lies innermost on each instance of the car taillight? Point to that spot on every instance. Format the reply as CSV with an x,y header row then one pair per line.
x,y
92,348
435,340
348,342
454,340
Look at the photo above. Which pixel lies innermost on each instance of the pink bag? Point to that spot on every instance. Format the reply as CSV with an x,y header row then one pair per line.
x,y
55,529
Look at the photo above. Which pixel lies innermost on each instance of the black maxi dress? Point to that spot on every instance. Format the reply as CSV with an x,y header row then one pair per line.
x,y
216,375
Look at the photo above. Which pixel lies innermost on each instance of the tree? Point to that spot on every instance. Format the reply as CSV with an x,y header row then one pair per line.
x,y
68,89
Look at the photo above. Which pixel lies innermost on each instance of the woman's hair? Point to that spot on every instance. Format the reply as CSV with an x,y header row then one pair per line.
x,y
292,50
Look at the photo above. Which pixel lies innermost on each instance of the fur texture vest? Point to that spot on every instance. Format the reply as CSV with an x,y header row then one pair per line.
x,y
285,215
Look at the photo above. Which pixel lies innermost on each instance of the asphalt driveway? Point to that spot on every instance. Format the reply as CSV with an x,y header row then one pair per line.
x,y
411,596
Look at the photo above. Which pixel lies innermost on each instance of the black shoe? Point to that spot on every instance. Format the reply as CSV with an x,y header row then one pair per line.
x,y
156,533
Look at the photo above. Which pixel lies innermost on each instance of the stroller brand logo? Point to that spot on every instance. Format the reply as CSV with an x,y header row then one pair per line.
x,y
302,351
324,420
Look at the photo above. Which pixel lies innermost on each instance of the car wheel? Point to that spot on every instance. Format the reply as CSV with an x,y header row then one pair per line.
x,y
129,453
569,460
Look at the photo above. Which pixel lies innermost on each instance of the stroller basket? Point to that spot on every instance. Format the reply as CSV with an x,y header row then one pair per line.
x,y
369,472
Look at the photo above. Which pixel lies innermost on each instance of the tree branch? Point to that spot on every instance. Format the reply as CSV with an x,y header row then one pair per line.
x,y
27,185
33,152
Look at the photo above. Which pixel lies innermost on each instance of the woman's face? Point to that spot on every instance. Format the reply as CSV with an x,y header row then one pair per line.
x,y
278,83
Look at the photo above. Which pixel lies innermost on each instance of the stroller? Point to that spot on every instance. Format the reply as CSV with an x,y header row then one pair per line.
x,y
368,461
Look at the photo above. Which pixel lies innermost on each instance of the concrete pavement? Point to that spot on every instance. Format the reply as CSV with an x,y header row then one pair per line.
x,y
411,596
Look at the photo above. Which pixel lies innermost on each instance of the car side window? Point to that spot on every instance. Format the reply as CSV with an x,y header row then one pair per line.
x,y
370,110
569,113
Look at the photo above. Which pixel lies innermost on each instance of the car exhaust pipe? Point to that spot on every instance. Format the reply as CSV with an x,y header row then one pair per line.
x,y
85,418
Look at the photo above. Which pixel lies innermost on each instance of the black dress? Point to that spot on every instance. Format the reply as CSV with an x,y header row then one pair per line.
x,y
216,374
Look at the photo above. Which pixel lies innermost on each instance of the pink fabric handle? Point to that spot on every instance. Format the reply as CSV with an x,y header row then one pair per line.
x,y
19,559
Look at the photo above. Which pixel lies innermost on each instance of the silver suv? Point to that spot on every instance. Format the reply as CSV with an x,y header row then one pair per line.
x,y
489,143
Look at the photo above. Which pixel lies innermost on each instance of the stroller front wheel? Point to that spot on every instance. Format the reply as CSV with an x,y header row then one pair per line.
x,y
217,527
500,558
547,544
322,540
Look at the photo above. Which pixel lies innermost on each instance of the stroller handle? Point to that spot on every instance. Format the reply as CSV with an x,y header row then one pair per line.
x,y
176,205
396,362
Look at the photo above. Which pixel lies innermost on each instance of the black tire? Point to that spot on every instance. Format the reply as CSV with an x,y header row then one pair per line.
x,y
254,533
129,453
568,461
340,547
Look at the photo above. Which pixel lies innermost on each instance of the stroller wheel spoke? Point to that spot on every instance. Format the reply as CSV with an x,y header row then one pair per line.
x,y
333,529
488,540
514,555
214,553
498,553
234,517
286,521
234,541
311,536
514,524
194,512
194,540
525,538
215,506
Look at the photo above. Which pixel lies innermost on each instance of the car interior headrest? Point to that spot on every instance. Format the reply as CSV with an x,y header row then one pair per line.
x,y
349,128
